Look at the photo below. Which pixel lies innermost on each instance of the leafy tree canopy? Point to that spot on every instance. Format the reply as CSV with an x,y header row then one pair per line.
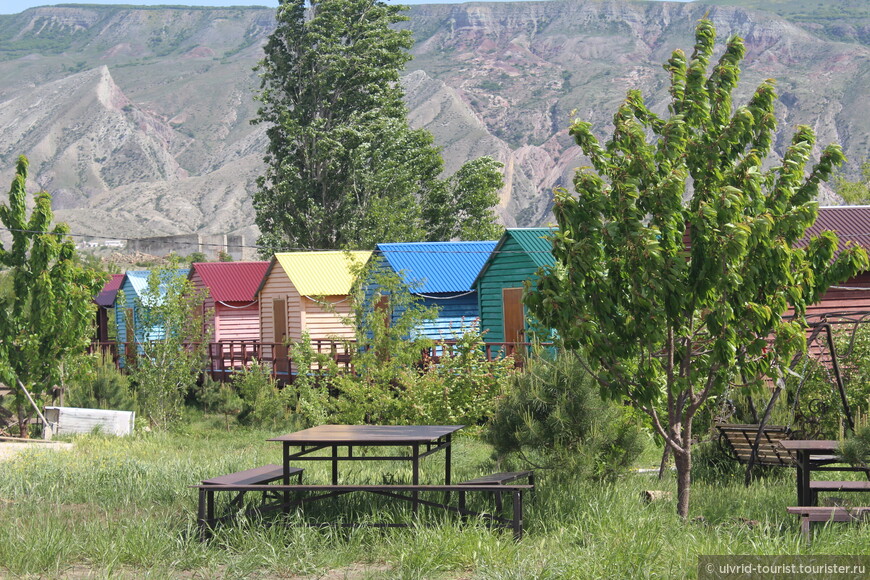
x,y
344,169
673,301
49,311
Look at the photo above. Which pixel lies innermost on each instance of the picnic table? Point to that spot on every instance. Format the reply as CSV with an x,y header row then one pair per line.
x,y
342,443
817,455
424,440
810,455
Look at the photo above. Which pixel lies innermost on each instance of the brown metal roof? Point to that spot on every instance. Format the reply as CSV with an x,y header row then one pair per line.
x,y
231,281
851,223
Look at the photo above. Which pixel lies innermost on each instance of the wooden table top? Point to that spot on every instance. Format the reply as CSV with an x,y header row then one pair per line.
x,y
821,445
368,434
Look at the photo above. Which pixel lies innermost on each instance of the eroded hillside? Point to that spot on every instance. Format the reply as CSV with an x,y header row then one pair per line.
x,y
138,120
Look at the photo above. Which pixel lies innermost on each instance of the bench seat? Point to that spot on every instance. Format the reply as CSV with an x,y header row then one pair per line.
x,y
264,474
824,486
840,485
255,476
816,514
501,478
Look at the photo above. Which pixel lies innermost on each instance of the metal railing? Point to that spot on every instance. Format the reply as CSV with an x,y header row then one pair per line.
x,y
227,357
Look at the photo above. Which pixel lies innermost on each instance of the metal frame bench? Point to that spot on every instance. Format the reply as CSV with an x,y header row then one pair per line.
x,y
206,517
501,478
814,514
255,476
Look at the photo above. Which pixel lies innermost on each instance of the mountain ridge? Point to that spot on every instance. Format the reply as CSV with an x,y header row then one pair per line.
x,y
137,120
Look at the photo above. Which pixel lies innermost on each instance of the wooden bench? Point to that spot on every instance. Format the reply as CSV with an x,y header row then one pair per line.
x,y
501,478
740,440
824,486
309,493
256,476
815,514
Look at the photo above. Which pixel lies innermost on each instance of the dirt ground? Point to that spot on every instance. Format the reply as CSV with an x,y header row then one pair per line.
x,y
10,447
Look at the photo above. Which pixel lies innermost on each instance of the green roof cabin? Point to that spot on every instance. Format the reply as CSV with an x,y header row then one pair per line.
x,y
515,259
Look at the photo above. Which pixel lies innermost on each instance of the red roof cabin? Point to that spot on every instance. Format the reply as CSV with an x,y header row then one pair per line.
x,y
230,305
851,223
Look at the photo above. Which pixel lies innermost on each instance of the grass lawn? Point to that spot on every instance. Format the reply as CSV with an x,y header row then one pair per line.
x,y
112,508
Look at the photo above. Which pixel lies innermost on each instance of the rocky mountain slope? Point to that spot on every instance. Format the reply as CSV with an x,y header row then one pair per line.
x,y
137,119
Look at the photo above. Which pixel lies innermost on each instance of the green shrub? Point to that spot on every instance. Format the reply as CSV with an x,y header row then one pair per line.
x,y
263,404
462,388
855,450
553,417
101,386
216,397
711,463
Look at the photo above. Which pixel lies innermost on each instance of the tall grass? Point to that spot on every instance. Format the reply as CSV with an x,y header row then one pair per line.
x,y
123,508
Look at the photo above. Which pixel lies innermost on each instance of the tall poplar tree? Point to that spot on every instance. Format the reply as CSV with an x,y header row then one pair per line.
x,y
49,312
344,169
673,301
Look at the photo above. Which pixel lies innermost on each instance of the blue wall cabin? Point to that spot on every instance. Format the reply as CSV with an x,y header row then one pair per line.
x,y
440,273
128,300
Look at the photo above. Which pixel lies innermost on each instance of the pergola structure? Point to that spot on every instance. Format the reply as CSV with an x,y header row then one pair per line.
x,y
757,443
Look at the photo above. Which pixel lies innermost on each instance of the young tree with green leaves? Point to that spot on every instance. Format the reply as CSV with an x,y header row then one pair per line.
x,y
172,347
343,168
855,192
673,301
47,313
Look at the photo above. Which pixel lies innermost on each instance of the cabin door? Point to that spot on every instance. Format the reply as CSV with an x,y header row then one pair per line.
x,y
279,316
514,316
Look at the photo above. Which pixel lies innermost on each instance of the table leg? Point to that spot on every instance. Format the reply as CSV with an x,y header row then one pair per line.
x,y
415,474
447,458
803,477
335,465
286,479
448,451
202,520
517,522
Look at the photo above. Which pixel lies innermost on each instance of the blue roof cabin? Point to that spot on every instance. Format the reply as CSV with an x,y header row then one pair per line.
x,y
133,288
515,259
440,273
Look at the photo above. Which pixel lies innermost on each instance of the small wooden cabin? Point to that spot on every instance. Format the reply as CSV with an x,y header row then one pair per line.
x,y
852,226
306,291
105,303
514,260
230,306
440,274
131,329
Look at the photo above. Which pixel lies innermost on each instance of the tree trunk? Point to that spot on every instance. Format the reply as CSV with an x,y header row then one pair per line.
x,y
663,466
22,421
683,462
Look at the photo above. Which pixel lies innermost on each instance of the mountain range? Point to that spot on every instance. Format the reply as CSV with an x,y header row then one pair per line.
x,y
137,120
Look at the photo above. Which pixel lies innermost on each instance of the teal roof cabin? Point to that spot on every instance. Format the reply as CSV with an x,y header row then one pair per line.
x,y
515,259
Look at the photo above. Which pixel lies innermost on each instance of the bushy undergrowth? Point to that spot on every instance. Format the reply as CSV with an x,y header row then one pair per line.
x,y
856,448
98,385
552,416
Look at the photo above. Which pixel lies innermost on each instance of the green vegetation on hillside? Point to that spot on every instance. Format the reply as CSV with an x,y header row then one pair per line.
x,y
842,20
